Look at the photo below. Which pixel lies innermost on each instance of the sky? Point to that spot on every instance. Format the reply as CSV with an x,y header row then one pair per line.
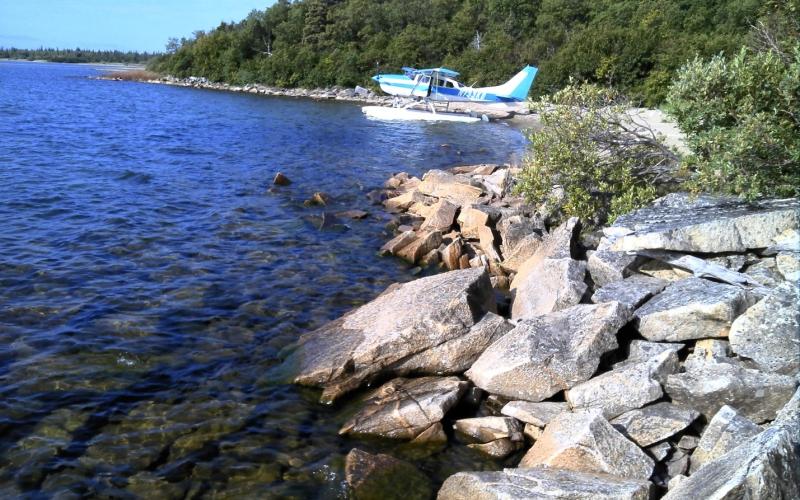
x,y
140,25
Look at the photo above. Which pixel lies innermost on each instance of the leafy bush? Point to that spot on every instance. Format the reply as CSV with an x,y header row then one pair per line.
x,y
591,158
742,120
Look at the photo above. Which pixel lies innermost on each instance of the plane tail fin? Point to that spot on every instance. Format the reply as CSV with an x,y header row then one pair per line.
x,y
517,88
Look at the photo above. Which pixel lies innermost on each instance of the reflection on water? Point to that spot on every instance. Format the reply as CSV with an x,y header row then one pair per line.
x,y
149,281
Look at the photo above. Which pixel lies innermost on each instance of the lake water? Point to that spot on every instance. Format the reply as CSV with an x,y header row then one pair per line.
x,y
149,281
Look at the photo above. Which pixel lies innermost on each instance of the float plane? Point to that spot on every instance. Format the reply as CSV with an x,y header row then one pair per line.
x,y
439,85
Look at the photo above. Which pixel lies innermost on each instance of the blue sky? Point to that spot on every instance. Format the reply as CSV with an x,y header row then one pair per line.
x,y
113,24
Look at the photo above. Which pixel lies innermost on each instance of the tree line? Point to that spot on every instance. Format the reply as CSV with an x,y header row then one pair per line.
x,y
76,55
633,45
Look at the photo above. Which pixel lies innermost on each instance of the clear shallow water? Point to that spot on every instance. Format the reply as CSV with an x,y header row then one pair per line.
x,y
149,281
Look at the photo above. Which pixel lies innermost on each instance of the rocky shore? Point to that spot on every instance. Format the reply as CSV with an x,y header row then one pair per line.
x,y
659,357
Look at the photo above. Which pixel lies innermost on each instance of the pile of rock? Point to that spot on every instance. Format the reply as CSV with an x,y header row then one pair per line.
x,y
665,360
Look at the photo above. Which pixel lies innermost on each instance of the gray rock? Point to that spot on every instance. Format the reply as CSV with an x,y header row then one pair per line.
x,y
631,292
585,442
547,354
708,351
654,423
541,483
765,272
766,465
538,414
405,320
457,355
532,432
678,463
659,451
769,332
692,308
724,432
373,476
553,285
404,408
487,429
441,217
625,388
642,350
607,266
499,448
788,264
709,387
515,230
688,442
675,481
705,225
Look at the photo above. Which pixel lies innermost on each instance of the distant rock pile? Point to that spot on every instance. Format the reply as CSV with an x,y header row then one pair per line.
x,y
662,360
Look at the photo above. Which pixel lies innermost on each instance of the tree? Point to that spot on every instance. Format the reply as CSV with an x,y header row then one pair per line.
x,y
592,158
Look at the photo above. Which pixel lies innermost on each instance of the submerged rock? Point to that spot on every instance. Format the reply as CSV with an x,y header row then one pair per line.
x,y
547,354
541,482
405,408
692,308
585,442
404,320
769,332
727,430
376,476
705,224
281,180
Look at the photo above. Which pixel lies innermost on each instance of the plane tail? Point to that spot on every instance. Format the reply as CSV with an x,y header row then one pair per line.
x,y
517,88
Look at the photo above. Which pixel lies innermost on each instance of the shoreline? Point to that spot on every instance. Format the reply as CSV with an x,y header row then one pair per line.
x,y
519,115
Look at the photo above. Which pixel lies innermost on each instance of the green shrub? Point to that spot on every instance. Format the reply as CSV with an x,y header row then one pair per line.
x,y
591,159
742,121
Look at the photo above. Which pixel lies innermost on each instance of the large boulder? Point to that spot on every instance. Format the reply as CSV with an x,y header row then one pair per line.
x,y
627,387
553,285
440,217
766,465
692,308
457,355
550,353
585,442
708,387
654,423
541,483
405,320
704,224
376,476
769,332
550,280
405,408
453,188
607,266
471,220
727,430
632,291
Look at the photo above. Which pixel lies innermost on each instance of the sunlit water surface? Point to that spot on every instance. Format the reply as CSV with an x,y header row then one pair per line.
x,y
149,282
